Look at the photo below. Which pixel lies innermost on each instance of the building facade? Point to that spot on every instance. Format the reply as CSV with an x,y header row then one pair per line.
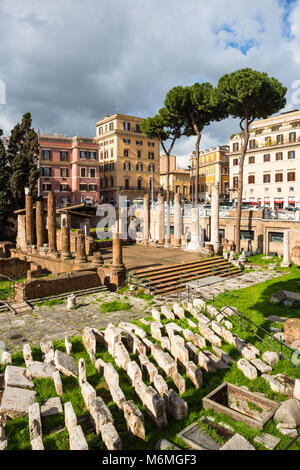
x,y
213,168
129,161
179,183
271,175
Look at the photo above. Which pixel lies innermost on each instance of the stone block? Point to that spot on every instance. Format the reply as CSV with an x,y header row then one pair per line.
x,y
6,358
134,419
160,384
261,366
219,363
70,417
16,401
37,443
112,335
110,437
199,341
58,383
46,346
100,365
237,442
289,432
81,371
122,357
155,332
68,345
89,341
88,393
175,405
133,371
194,374
211,310
274,384
296,391
15,377
193,352
289,412
77,439
166,312
35,421
179,382
191,323
155,406
100,414
27,354
223,355
188,334
148,344
199,303
65,364
164,360
206,363
163,444
270,358
165,343
178,311
155,314
151,370
51,407
117,395
248,370
267,440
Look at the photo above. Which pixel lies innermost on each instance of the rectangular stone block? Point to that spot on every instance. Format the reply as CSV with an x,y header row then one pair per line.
x,y
15,377
100,414
88,393
70,417
77,439
16,401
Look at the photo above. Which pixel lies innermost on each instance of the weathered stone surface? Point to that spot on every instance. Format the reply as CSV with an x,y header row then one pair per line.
x,y
229,311
138,346
223,355
160,384
289,412
133,371
148,344
117,394
199,341
166,312
40,370
88,393
77,439
274,384
122,357
16,401
145,322
46,346
237,442
179,382
164,360
261,366
100,364
178,350
65,364
270,358
70,417
81,371
172,328
51,407
199,303
287,431
68,345
110,437
193,351
152,370
194,374
219,317
228,324
134,419
248,370
35,421
206,363
165,343
175,405
243,348
155,332
202,319
178,311
163,444
209,335
27,354
49,357
100,414
188,334
155,314
219,363
291,330
15,377
191,323
37,443
296,391
267,440
211,310
6,358
89,341
112,336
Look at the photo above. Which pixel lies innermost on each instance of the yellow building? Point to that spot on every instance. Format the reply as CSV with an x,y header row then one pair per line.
x,y
213,168
129,161
179,182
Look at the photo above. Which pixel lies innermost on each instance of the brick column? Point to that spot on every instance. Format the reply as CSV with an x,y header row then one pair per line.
x,y
160,219
177,221
40,224
29,217
65,242
80,249
51,223
214,220
146,219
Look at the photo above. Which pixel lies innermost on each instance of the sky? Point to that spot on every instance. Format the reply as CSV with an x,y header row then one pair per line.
x,y
70,63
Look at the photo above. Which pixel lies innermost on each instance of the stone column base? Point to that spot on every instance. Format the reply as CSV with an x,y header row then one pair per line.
x,y
286,265
117,276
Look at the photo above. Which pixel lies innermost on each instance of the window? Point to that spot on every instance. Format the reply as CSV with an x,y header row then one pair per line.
x,y
221,233
251,160
225,171
101,183
139,181
278,178
268,140
267,157
127,166
46,171
279,156
64,172
101,155
100,130
82,172
137,128
291,155
139,142
46,154
251,179
151,155
126,141
139,167
111,181
47,187
126,183
112,166
235,147
93,155
292,137
92,172
235,181
177,189
111,126
247,235
139,154
111,152
235,161
276,237
126,153
279,139
83,154
252,144
291,176
150,144
267,178
151,167
291,190
64,187
126,126
83,187
63,156
92,187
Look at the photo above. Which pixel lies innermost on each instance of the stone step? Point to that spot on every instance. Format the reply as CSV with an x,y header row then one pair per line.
x,y
175,266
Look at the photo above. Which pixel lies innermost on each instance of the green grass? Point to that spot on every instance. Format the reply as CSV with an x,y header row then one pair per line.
x,y
114,306
6,290
258,259
50,303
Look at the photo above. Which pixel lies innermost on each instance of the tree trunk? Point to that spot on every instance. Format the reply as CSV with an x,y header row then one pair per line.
x,y
197,164
240,188
168,201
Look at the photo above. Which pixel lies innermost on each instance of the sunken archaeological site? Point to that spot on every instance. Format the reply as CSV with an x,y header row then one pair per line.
x,y
130,328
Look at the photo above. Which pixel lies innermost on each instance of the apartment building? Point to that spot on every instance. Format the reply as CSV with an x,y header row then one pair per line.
x,y
179,179
213,168
70,168
272,163
129,161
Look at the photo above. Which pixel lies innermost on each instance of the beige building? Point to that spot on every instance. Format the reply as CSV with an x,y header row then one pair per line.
x,y
179,182
129,161
272,162
213,168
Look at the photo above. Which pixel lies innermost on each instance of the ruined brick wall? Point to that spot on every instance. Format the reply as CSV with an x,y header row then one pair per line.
x,y
65,282
14,268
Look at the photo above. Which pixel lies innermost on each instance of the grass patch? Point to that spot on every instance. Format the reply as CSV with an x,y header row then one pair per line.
x,y
6,290
50,303
114,306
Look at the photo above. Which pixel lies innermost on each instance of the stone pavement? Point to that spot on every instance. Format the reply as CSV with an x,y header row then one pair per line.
x,y
56,321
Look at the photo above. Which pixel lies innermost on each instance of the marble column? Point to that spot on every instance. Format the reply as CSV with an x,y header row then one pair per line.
x,y
117,268
29,217
117,247
65,242
214,218
51,223
286,263
80,248
146,219
160,219
177,221
40,224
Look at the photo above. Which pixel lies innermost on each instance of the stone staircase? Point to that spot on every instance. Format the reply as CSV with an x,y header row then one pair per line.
x,y
18,308
171,279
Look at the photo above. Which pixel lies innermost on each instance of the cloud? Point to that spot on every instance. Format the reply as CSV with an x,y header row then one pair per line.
x,y
70,62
